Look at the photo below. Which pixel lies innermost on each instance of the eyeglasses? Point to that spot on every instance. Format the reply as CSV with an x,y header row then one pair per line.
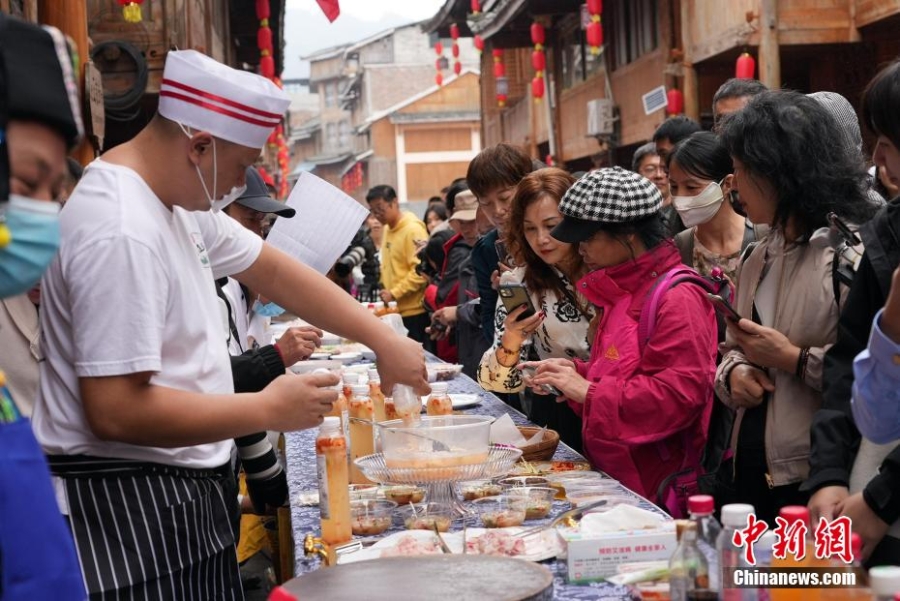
x,y
652,170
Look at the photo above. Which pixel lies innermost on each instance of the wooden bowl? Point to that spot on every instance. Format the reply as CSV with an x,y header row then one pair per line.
x,y
542,451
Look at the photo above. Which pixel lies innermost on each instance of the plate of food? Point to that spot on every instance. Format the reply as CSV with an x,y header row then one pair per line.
x,y
481,541
442,372
540,468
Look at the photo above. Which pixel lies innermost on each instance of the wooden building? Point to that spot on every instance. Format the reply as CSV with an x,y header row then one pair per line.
x,y
593,113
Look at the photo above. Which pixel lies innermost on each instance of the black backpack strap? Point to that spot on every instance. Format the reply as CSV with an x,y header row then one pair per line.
x,y
685,243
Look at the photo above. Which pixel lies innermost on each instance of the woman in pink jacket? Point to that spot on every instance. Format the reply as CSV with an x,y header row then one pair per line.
x,y
645,403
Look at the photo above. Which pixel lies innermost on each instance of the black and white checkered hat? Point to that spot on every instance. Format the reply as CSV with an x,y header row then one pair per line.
x,y
602,197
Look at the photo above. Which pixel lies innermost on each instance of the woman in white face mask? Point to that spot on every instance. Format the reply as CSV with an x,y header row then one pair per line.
x,y
700,180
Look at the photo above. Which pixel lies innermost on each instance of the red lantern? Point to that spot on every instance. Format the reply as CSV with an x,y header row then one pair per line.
x,y
675,102
457,67
479,43
454,31
267,67
501,100
498,54
595,36
537,33
437,64
538,60
745,67
476,7
438,48
439,79
131,10
262,9
548,160
264,39
595,7
499,69
455,50
537,88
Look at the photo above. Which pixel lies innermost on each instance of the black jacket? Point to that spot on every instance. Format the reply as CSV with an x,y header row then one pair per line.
x,y
484,262
835,439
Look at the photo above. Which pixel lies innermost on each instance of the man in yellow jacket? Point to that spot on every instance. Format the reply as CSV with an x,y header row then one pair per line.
x,y
399,280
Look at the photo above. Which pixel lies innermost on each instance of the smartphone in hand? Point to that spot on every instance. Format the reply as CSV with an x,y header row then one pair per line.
x,y
724,307
545,388
514,296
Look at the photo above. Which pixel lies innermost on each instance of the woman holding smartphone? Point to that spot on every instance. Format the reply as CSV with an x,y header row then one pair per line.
x,y
542,286
645,394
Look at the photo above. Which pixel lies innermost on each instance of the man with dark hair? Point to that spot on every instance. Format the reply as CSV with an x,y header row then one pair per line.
x,y
672,131
732,96
400,281
650,164
493,176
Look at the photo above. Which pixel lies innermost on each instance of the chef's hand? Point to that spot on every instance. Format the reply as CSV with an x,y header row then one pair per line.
x,y
298,343
401,360
764,346
826,503
295,402
559,373
865,523
749,385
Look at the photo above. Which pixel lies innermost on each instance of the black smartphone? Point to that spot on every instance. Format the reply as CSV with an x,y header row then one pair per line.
x,y
724,307
849,236
513,297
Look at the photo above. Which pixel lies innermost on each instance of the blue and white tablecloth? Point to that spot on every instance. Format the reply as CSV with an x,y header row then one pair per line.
x,y
300,455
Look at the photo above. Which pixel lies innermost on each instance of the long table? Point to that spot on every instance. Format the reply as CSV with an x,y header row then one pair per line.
x,y
301,474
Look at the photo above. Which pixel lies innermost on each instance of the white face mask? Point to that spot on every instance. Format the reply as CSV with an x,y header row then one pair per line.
x,y
236,191
695,210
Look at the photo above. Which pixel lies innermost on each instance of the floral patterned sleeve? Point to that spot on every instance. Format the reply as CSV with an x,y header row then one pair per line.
x,y
492,375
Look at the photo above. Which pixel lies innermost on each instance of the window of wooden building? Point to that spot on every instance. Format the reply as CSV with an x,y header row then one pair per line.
x,y
577,62
631,29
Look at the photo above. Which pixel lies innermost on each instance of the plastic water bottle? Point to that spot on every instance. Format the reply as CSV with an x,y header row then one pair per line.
x,y
688,569
884,582
734,517
701,508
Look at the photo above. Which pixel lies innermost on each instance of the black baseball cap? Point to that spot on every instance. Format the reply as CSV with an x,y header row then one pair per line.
x,y
257,197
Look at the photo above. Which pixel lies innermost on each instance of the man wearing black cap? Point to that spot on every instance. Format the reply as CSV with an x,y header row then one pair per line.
x,y
39,122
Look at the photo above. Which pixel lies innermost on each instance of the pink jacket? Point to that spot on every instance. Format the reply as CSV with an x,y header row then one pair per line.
x,y
643,410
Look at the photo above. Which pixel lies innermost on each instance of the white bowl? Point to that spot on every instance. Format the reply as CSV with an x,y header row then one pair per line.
x,y
306,367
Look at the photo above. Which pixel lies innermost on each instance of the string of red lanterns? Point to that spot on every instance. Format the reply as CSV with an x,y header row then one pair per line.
x,y
594,32
745,68
454,35
439,50
265,43
476,7
675,102
500,77
538,61
131,10
479,44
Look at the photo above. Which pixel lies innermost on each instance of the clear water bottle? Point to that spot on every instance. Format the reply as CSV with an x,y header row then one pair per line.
x,y
701,508
734,517
688,569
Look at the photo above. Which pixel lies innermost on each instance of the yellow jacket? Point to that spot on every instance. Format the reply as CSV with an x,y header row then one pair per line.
x,y
399,261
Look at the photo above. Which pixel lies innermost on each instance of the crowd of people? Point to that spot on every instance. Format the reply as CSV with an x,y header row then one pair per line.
x,y
722,317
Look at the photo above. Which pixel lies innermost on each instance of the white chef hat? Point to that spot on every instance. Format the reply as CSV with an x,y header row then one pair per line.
x,y
237,106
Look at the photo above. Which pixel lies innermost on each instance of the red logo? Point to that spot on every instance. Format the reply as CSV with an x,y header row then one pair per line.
x,y
746,537
833,539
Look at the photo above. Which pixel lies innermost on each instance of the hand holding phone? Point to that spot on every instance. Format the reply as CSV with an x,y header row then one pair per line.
x,y
545,388
514,296
724,307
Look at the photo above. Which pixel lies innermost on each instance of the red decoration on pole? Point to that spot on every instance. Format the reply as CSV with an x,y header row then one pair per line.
x,y
476,7
501,100
264,39
538,60
131,10
479,44
454,31
594,30
267,67
745,68
262,9
439,79
438,48
499,69
675,102
457,67
455,50
537,88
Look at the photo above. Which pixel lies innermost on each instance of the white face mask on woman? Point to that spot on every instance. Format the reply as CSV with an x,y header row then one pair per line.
x,y
695,210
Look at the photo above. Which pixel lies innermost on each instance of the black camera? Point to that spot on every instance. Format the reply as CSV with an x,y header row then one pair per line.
x,y
351,259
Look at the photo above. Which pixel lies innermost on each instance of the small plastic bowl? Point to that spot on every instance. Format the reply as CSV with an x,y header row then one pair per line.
x,y
538,499
478,489
502,511
425,516
370,517
516,481
361,492
404,494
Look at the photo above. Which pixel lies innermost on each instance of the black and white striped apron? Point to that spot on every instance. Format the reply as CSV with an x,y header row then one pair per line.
x,y
151,531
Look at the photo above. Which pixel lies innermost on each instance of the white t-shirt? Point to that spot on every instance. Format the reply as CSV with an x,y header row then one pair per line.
x,y
132,290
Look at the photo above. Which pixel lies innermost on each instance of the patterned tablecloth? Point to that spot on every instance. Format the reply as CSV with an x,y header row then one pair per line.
x,y
301,474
